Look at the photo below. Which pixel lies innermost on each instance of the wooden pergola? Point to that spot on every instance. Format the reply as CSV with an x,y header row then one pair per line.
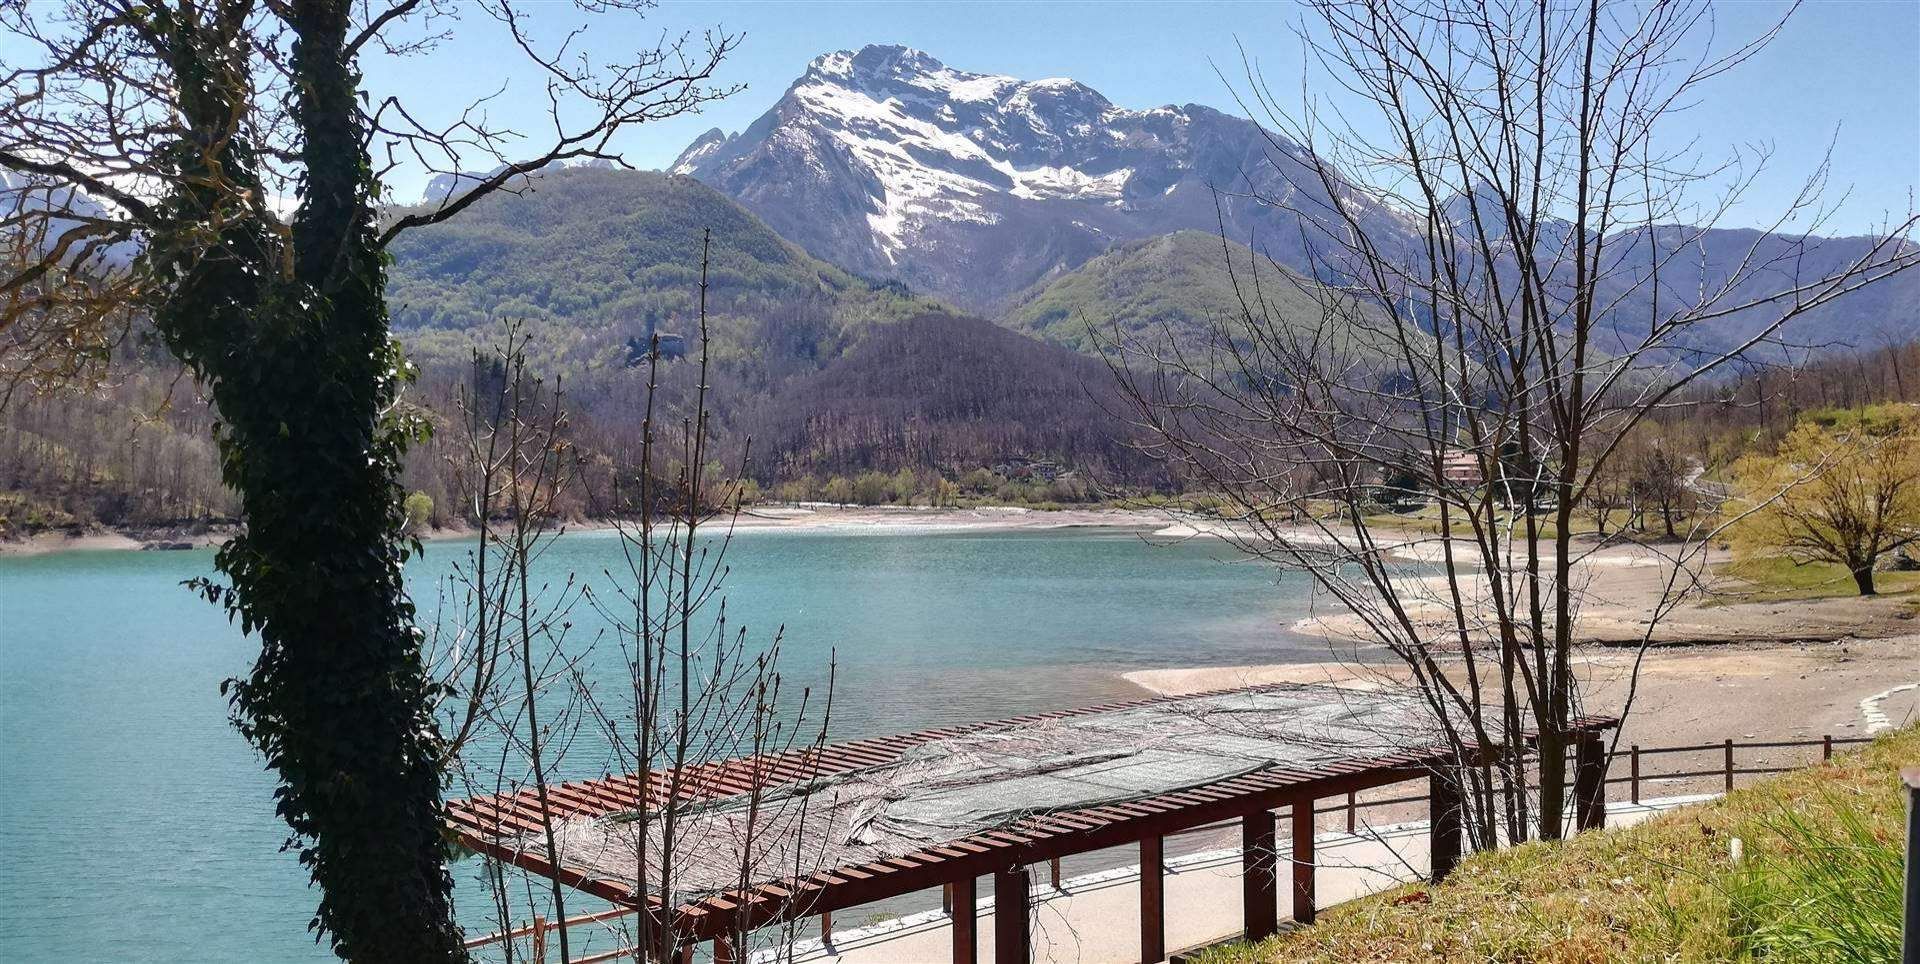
x,y
492,824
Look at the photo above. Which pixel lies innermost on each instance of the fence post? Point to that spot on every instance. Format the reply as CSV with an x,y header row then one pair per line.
x,y
1634,782
1729,764
1826,748
1910,929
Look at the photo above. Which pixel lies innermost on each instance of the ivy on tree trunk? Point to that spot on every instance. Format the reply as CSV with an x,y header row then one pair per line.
x,y
287,326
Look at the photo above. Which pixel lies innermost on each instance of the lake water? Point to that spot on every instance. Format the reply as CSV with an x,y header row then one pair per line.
x,y
135,824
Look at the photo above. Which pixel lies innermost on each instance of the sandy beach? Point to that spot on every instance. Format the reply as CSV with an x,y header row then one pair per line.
x,y
826,517
1742,691
1717,664
41,543
820,517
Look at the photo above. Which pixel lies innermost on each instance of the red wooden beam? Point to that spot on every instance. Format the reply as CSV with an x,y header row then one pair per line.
x,y
1259,852
1012,926
1445,822
1590,783
1153,900
965,921
1303,861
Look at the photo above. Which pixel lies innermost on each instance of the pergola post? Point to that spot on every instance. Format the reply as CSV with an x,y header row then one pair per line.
x,y
1444,803
1303,909
723,950
1589,783
964,917
1153,900
1012,939
1259,852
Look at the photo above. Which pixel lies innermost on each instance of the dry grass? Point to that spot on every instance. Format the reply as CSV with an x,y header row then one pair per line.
x,y
1665,890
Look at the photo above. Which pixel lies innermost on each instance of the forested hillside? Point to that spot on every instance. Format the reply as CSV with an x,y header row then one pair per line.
x,y
950,393
137,452
590,257
1180,285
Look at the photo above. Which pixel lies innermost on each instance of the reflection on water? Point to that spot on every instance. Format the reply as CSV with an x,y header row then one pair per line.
x,y
137,826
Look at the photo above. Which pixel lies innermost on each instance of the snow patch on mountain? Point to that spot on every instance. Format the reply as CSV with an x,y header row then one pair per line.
x,y
937,140
702,148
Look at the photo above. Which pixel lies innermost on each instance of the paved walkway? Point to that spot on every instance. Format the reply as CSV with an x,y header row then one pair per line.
x,y
1095,918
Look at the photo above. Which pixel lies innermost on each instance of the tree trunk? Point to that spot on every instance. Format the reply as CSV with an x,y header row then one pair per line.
x,y
1863,578
300,366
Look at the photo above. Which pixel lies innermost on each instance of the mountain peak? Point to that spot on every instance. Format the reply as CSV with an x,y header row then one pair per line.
x,y
702,147
892,70
972,185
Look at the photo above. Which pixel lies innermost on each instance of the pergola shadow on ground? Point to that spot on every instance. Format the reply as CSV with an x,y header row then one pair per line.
x,y
785,836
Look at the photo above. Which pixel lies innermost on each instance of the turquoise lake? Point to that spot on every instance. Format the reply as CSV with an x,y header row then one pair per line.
x,y
136,825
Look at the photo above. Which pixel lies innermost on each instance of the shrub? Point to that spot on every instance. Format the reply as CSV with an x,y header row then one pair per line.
x,y
419,509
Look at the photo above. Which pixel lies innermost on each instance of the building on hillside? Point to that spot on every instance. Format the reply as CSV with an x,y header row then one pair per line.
x,y
1022,469
1461,467
672,346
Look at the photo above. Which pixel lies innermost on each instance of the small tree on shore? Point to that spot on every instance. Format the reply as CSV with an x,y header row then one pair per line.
x,y
1656,483
1843,487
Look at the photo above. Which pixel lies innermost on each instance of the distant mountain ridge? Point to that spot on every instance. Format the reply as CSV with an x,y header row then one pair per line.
x,y
975,188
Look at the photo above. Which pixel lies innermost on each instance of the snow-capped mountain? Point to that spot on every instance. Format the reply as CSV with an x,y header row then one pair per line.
x,y
974,186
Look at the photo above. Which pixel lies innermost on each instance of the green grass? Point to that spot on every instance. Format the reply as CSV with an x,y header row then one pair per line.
x,y
1818,883
1827,892
1777,579
1426,519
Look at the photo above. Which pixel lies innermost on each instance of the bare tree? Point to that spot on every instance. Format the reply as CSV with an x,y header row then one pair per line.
x,y
159,145
1657,481
667,684
1503,294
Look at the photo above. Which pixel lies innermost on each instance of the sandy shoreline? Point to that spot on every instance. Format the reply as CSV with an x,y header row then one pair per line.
x,y
43,543
1749,690
803,518
1718,666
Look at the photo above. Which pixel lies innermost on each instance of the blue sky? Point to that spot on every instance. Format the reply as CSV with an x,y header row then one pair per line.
x,y
1851,66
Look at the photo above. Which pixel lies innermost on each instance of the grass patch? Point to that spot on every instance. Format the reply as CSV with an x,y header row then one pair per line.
x,y
1777,578
1426,520
1819,882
